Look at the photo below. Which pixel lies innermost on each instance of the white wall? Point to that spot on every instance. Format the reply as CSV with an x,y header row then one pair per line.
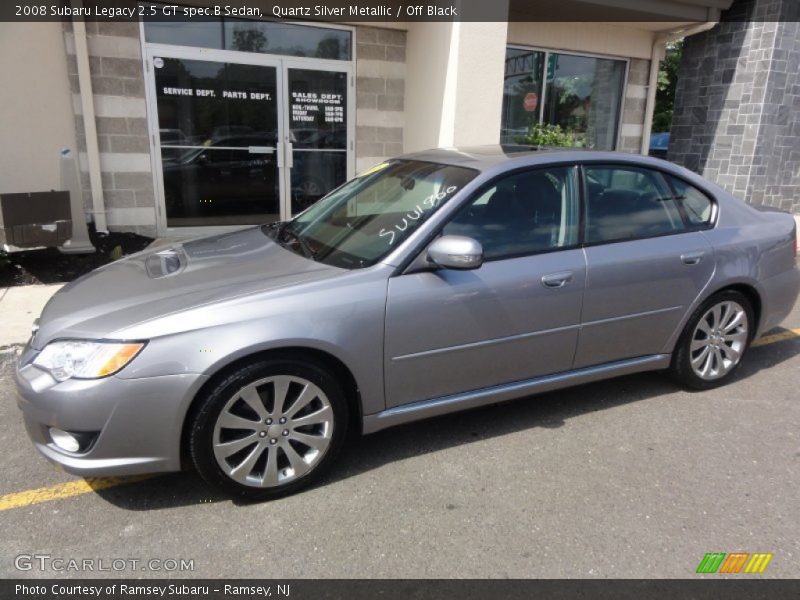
x,y
479,88
454,84
427,59
36,118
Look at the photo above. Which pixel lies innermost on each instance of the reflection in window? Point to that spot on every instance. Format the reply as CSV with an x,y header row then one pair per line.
x,y
318,133
267,37
696,204
205,103
582,95
202,33
625,203
358,224
522,90
218,125
525,213
286,38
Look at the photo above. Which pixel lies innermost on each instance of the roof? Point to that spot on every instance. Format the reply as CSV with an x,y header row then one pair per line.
x,y
483,158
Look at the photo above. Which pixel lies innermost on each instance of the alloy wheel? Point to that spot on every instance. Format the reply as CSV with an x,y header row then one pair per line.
x,y
719,340
273,431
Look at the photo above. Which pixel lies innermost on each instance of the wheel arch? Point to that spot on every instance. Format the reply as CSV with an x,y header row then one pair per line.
x,y
747,288
304,353
750,292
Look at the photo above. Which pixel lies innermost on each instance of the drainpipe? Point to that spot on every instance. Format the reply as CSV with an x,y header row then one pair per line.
x,y
89,123
656,56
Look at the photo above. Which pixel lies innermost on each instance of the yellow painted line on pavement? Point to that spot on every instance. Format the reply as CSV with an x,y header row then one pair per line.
x,y
789,334
85,486
64,490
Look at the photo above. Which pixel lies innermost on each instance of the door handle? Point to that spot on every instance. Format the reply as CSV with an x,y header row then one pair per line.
x,y
289,157
692,258
557,280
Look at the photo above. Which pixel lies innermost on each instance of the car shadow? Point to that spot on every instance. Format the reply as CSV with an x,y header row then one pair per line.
x,y
362,454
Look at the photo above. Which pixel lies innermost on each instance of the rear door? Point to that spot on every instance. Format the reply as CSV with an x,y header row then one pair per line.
x,y
646,263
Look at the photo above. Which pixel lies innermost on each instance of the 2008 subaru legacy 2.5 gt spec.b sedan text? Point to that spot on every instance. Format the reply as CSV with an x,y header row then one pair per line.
x,y
439,281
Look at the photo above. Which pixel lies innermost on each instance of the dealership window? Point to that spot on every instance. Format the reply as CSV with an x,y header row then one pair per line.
x,y
581,94
265,37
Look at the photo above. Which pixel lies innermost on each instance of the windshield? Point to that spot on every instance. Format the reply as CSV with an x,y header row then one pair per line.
x,y
359,223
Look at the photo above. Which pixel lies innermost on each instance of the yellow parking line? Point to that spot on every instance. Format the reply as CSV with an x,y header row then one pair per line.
x,y
789,334
84,486
64,490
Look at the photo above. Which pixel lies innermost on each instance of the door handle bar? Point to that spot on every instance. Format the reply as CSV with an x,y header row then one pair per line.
x,y
692,258
557,280
289,155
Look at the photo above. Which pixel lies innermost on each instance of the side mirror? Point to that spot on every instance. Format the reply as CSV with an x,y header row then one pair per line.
x,y
456,252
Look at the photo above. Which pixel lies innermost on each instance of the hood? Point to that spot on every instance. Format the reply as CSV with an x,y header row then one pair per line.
x,y
171,279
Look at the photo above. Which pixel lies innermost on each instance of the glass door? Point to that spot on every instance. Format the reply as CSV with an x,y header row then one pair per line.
x,y
218,128
318,131
243,139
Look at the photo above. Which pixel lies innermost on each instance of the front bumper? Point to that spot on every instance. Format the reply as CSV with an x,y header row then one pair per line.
x,y
138,421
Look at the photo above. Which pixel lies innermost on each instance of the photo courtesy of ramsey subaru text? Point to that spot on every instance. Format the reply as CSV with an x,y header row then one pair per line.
x,y
435,282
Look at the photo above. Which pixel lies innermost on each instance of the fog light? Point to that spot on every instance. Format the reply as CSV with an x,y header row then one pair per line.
x,y
65,441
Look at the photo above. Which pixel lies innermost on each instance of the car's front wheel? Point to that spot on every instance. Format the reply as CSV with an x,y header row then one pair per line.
x,y
269,428
714,341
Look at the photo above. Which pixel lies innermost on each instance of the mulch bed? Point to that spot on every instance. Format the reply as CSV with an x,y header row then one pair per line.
x,y
51,266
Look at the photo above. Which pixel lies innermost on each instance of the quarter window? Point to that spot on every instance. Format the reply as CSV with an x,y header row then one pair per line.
x,y
525,213
624,203
696,204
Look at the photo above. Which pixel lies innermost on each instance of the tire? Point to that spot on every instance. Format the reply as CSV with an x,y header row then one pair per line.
x,y
718,351
239,444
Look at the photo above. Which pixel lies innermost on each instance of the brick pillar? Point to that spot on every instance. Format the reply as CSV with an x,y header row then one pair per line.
x,y
380,94
737,103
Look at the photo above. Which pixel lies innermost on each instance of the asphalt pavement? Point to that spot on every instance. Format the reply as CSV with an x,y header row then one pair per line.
x,y
631,477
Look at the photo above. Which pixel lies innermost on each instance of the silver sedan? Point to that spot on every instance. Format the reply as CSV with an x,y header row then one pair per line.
x,y
432,283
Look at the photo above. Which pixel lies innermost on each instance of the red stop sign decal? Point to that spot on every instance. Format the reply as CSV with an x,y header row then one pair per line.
x,y
530,102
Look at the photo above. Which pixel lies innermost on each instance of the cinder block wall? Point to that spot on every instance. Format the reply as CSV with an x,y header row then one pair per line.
x,y
737,103
632,125
115,64
380,94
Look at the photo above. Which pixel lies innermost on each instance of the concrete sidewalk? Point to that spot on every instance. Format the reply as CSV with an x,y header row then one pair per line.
x,y
19,306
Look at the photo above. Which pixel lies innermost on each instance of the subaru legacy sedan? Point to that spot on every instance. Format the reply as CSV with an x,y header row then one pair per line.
x,y
435,282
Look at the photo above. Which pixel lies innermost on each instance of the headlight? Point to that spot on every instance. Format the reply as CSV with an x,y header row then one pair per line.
x,y
84,359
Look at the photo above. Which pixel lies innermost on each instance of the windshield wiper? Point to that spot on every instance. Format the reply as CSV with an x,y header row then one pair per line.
x,y
284,231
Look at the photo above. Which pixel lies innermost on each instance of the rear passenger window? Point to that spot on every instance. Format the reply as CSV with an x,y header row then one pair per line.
x,y
696,204
625,203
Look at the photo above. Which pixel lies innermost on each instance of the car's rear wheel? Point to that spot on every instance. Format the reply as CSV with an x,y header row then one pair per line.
x,y
714,341
269,429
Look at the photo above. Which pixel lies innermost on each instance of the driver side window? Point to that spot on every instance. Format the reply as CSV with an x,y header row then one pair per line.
x,y
525,213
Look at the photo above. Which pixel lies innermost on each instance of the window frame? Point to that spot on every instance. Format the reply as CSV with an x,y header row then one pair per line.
x,y
572,166
712,217
688,226
141,20
407,266
543,97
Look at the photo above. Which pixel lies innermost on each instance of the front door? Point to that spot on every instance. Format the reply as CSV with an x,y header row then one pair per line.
x,y
242,139
514,318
